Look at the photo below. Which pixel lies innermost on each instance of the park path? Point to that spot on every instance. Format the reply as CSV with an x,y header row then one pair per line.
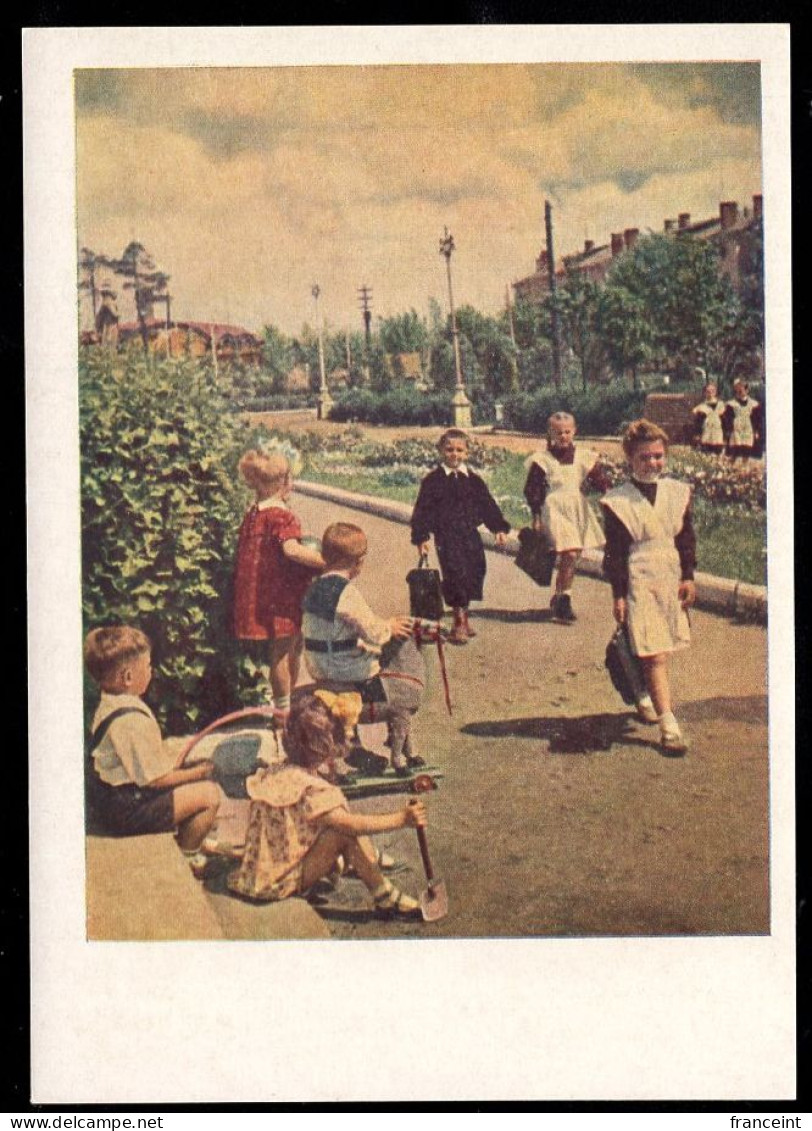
x,y
557,816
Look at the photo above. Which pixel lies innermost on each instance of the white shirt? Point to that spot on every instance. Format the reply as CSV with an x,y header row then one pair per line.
x,y
131,751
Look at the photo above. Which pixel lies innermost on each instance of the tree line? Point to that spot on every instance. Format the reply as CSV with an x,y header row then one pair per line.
x,y
664,308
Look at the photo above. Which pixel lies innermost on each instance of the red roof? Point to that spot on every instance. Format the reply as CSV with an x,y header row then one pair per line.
x,y
219,329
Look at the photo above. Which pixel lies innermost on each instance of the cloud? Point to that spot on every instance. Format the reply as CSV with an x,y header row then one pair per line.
x,y
248,184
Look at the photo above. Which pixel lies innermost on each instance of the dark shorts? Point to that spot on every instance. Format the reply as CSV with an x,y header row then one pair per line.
x,y
129,810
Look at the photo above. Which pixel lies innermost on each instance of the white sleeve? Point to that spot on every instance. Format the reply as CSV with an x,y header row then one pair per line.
x,y
353,610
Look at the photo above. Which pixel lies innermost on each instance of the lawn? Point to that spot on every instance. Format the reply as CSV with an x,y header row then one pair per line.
x,y
731,535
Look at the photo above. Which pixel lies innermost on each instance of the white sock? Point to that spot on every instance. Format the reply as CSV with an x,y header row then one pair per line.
x,y
669,725
281,702
646,701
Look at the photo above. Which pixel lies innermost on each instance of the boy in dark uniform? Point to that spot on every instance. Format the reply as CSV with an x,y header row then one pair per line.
x,y
452,503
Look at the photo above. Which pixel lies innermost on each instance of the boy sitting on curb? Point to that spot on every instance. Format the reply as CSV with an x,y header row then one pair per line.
x,y
128,788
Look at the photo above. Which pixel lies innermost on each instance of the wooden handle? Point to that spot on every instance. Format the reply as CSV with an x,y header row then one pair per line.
x,y
424,852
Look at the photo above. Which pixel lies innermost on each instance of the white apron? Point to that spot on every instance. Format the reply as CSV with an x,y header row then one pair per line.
x,y
657,622
567,516
741,435
711,423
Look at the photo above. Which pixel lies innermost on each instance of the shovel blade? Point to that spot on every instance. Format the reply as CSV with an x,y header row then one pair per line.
x,y
434,902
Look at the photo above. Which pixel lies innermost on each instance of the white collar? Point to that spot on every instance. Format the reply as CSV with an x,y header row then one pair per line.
x,y
462,469
274,501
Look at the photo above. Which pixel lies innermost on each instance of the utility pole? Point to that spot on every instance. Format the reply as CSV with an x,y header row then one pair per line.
x,y
365,295
548,224
509,310
460,405
325,401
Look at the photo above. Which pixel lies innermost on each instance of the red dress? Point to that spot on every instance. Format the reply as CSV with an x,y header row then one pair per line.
x,y
268,587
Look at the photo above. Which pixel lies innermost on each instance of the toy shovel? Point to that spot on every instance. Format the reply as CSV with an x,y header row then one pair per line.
x,y
433,901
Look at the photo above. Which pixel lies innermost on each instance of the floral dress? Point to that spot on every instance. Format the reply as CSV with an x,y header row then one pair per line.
x,y
286,802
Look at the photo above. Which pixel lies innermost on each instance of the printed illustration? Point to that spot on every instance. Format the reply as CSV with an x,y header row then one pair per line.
x,y
423,500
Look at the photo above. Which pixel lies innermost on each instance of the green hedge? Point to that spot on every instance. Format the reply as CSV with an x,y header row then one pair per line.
x,y
396,406
161,505
599,411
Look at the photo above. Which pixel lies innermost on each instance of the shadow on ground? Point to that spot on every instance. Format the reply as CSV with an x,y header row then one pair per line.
x,y
580,735
512,616
731,708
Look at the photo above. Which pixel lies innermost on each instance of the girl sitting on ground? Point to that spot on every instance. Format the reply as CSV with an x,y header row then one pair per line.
x,y
300,824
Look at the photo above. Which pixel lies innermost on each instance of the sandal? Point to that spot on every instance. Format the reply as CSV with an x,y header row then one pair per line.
x,y
391,901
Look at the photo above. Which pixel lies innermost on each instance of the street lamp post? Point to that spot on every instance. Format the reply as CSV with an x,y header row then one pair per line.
x,y
460,405
325,401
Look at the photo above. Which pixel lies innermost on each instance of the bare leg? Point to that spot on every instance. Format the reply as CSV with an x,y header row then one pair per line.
x,y
656,673
357,851
567,560
281,682
295,659
194,810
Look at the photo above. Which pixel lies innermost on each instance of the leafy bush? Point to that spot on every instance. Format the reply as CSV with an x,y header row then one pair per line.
x,y
600,411
422,454
735,485
274,402
161,504
403,405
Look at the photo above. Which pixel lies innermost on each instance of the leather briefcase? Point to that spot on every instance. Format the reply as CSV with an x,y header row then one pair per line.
x,y
535,557
425,591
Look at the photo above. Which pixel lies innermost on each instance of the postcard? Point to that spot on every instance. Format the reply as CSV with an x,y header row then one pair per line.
x,y
403,671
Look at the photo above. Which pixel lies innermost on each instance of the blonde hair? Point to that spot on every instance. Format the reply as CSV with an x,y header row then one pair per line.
x,y
264,472
107,649
642,432
453,434
343,544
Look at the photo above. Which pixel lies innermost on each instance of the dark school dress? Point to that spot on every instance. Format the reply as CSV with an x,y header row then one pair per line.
x,y
451,506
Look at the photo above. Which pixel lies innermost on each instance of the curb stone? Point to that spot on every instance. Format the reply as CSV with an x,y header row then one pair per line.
x,y
715,594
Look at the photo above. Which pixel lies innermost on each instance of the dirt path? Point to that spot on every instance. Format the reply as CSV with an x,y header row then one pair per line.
x,y
557,816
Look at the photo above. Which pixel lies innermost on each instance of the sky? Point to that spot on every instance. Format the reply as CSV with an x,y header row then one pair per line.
x,y
249,185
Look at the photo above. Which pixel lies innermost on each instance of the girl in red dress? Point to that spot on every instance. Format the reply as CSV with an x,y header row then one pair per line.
x,y
273,571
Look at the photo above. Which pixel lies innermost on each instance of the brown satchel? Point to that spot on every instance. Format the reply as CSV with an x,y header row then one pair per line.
x,y
535,556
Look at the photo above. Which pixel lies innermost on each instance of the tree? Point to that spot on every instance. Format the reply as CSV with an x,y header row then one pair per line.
x,y
625,330
687,302
493,351
577,304
145,280
277,354
403,333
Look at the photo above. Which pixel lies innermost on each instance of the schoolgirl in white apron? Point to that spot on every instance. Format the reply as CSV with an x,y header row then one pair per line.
x,y
554,493
709,415
567,516
656,620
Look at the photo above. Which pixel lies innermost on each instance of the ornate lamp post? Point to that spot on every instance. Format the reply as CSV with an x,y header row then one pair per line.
x,y
460,405
325,401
